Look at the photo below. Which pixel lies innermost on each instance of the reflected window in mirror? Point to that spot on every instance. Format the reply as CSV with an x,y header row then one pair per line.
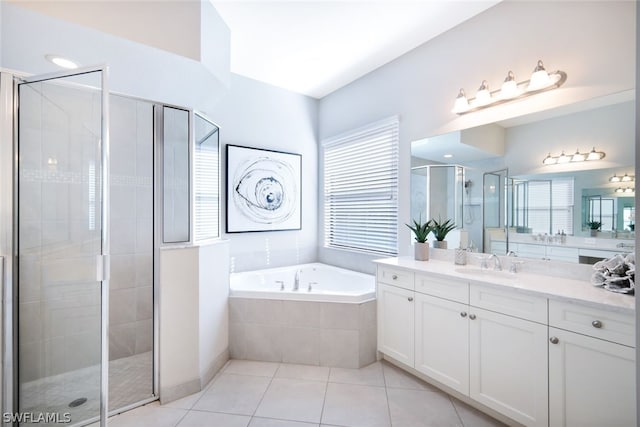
x,y
544,206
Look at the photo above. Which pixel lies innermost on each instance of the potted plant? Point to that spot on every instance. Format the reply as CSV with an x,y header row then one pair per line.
x,y
421,230
594,226
440,231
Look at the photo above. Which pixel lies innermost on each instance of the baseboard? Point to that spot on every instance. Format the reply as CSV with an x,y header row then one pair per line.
x,y
169,394
214,367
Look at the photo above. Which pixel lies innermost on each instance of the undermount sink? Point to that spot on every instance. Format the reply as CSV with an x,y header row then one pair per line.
x,y
476,271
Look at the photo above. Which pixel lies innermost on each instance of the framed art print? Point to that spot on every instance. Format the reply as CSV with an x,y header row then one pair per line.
x,y
263,190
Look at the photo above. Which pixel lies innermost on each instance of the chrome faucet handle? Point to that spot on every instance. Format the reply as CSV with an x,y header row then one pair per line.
x,y
484,265
281,282
513,268
310,286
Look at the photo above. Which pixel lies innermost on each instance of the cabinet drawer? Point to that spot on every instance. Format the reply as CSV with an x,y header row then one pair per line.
x,y
450,288
395,277
595,322
509,302
562,254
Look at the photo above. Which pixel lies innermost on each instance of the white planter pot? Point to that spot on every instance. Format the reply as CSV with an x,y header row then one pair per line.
x,y
421,251
440,244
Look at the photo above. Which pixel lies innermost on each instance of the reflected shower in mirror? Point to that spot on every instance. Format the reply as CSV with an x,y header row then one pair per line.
x,y
585,207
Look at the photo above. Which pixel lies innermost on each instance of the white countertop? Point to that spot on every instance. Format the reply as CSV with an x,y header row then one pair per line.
x,y
571,290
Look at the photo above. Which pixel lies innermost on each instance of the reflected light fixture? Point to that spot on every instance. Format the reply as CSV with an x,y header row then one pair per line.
x,y
625,190
576,158
447,156
540,81
624,178
61,61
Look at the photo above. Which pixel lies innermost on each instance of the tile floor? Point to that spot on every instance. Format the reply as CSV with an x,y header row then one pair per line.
x,y
261,394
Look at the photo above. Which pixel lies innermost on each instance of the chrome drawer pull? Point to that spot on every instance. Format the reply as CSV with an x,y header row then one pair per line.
x,y
554,340
410,299
463,314
472,316
596,324
394,277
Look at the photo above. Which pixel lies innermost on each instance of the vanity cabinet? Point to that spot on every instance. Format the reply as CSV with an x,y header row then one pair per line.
x,y
396,314
498,359
591,367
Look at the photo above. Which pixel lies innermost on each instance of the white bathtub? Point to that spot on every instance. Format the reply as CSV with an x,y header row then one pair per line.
x,y
328,284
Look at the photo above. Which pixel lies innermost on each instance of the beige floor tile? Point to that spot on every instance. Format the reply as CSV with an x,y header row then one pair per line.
x,y
355,406
369,375
148,415
471,417
250,367
295,400
213,419
270,422
421,408
303,372
234,394
397,378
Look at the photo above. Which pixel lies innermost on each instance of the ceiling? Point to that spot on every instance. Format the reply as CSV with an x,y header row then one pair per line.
x,y
316,47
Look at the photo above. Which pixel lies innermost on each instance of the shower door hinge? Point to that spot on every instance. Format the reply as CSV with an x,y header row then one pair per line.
x,y
103,267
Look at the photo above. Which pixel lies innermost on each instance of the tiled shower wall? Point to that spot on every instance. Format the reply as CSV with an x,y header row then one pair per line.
x,y
131,295
59,230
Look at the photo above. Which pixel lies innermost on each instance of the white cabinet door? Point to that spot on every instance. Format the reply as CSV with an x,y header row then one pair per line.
x,y
591,381
508,366
396,323
442,341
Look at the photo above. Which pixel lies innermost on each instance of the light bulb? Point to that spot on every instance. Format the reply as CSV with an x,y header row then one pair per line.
x,y
619,190
627,178
595,155
509,87
462,104
564,158
539,79
483,97
549,160
629,190
614,178
578,156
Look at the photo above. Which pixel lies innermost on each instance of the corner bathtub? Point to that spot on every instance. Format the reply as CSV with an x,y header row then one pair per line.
x,y
318,282
333,324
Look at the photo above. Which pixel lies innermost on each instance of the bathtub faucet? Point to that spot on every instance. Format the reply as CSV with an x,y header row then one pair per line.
x,y
296,281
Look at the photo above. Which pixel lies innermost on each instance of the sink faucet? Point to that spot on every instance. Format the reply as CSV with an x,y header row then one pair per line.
x,y
497,265
296,281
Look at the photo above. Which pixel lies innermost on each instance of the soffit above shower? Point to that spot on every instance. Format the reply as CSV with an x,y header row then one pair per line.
x,y
316,47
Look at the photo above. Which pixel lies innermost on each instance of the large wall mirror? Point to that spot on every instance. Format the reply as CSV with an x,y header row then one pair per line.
x,y
574,211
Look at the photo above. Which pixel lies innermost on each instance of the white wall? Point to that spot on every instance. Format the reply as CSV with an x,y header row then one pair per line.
x,y
255,114
421,85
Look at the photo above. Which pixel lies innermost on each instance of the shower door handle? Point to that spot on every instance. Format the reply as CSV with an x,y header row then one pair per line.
x,y
103,267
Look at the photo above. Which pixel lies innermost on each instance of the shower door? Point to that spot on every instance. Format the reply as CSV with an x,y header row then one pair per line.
x,y
62,248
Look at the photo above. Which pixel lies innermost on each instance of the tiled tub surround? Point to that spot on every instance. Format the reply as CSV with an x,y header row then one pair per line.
x,y
333,324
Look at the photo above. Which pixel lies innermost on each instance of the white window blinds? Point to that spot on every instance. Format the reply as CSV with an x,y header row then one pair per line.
x,y
206,161
361,189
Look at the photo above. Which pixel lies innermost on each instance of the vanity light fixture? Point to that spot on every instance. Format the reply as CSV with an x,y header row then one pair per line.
x,y
576,157
625,190
447,156
624,178
540,81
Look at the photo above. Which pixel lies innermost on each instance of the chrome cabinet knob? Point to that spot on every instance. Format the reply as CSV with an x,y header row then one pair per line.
x,y
394,277
463,314
554,340
410,299
472,316
596,324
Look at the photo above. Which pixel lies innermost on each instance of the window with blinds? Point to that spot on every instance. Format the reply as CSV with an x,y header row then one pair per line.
x,y
206,159
545,206
360,172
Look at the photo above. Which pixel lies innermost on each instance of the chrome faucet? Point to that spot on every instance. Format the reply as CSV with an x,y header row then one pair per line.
x,y
497,265
296,281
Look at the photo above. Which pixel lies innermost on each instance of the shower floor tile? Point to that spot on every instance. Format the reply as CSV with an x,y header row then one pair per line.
x,y
130,381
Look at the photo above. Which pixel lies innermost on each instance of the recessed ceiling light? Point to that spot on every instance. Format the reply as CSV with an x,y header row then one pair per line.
x,y
61,62
448,156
